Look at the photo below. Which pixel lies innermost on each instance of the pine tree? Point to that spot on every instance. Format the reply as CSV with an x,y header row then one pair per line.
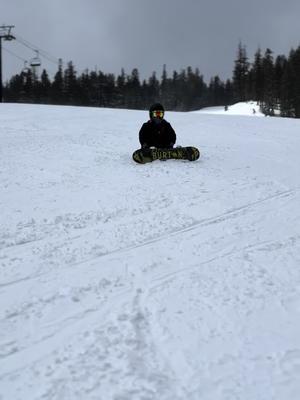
x,y
229,93
110,88
153,89
258,79
268,83
28,89
94,89
15,88
71,87
45,86
165,88
279,68
199,91
181,90
120,89
133,96
216,91
240,74
286,92
57,87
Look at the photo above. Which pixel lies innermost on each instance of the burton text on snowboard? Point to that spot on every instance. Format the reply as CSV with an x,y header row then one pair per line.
x,y
143,156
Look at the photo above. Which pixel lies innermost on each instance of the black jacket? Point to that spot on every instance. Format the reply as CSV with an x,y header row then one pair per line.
x,y
157,135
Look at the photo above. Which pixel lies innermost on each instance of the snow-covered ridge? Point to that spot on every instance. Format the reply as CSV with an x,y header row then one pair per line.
x,y
171,280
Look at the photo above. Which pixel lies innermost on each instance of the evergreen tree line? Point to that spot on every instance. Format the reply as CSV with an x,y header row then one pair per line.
x,y
273,83
185,90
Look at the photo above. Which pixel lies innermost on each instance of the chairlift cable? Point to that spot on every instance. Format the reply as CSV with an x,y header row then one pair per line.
x,y
32,46
42,52
14,54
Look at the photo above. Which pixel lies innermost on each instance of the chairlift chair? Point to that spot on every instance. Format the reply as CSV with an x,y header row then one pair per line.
x,y
35,61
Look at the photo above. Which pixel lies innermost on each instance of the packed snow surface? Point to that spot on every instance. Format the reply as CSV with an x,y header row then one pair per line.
x,y
172,280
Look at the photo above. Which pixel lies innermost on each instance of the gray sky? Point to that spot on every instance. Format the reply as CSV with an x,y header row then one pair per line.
x,y
144,34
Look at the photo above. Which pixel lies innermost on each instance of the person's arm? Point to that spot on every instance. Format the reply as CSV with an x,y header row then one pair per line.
x,y
143,136
172,135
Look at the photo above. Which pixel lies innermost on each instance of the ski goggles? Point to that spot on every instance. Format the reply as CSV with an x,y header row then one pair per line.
x,y
157,114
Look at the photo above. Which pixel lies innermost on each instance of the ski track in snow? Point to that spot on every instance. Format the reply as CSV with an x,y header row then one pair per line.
x,y
172,280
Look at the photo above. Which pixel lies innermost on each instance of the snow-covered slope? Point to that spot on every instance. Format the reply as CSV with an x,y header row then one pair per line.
x,y
249,108
171,280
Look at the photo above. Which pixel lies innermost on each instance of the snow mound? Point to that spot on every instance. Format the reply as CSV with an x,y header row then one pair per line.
x,y
249,108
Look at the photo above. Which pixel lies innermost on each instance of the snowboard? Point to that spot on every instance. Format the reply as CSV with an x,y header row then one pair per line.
x,y
143,156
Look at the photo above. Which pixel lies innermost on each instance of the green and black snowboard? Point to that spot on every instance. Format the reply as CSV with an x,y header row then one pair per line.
x,y
143,156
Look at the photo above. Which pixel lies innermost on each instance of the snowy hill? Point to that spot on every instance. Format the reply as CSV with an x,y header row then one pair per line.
x,y
171,280
249,108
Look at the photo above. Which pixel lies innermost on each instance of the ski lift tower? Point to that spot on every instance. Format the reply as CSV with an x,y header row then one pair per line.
x,y
5,35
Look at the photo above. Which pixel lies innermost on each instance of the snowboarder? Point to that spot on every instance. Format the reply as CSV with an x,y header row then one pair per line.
x,y
157,132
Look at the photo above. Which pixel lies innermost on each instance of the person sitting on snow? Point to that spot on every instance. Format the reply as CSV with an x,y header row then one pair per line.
x,y
157,132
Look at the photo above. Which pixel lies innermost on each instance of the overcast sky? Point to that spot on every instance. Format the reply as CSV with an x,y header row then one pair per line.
x,y
146,34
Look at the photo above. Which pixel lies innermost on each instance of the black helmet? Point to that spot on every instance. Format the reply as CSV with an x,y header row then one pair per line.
x,y
156,107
